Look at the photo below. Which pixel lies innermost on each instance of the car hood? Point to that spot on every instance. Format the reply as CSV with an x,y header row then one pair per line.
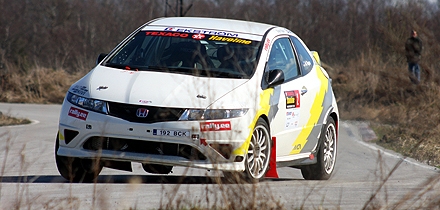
x,y
159,88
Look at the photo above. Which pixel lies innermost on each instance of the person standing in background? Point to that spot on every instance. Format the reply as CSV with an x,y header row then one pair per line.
x,y
413,49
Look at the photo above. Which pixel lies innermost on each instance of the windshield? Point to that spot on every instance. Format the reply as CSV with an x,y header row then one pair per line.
x,y
188,53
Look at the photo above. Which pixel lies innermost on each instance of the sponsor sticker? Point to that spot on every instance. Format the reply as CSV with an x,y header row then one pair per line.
x,y
198,36
306,64
292,118
229,39
78,113
297,147
292,99
145,101
215,126
202,31
164,33
267,44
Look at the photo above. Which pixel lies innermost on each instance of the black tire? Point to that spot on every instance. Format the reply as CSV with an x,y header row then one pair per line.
x,y
157,169
326,156
76,169
257,158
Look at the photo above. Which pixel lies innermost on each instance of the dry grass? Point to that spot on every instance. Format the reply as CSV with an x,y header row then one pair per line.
x,y
405,115
8,120
38,85
225,196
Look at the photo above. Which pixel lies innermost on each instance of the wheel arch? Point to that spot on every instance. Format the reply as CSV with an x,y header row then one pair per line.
x,y
265,118
335,116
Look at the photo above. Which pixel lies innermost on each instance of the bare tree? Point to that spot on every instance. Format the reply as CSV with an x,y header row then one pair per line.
x,y
69,34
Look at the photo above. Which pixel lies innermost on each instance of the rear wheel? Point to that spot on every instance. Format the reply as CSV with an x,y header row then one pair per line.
x,y
326,156
77,169
157,169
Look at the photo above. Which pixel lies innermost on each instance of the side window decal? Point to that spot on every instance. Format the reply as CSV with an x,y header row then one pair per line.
x,y
305,60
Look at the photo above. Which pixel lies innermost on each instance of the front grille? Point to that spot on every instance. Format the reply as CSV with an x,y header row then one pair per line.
x,y
155,114
145,147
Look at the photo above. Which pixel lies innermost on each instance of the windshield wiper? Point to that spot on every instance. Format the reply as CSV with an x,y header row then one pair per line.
x,y
179,70
227,74
135,67
121,66
157,68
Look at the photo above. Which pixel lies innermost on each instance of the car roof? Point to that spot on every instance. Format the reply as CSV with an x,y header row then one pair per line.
x,y
240,26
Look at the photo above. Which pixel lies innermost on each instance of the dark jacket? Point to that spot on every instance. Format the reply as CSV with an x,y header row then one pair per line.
x,y
413,49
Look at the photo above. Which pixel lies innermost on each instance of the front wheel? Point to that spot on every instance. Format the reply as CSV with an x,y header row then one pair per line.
x,y
257,158
326,156
76,169
258,155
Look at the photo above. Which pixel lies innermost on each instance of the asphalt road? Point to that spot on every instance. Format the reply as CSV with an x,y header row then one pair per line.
x,y
29,178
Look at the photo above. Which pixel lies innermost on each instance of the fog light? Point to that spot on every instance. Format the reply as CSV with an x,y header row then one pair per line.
x,y
69,135
238,159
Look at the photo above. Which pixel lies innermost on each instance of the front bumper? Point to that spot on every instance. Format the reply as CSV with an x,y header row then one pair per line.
x,y
95,135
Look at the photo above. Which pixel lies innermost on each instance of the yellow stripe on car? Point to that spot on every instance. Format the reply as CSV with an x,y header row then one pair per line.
x,y
264,108
60,136
315,113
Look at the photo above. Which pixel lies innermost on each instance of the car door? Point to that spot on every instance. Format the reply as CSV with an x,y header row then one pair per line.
x,y
314,92
292,125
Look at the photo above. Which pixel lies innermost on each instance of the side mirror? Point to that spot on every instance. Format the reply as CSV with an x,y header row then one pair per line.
x,y
100,58
275,77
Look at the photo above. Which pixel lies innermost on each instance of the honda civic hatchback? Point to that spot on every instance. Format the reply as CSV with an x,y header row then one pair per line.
x,y
217,94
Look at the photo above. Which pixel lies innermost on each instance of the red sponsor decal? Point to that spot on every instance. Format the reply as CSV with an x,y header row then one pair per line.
x,y
78,113
145,101
198,36
163,33
292,99
267,44
215,126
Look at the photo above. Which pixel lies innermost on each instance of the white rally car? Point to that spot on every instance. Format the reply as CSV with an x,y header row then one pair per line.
x,y
236,96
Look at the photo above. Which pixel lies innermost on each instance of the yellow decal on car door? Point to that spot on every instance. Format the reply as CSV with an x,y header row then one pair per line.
x,y
264,109
315,113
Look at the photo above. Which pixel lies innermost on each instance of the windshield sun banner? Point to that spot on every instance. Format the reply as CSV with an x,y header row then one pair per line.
x,y
199,36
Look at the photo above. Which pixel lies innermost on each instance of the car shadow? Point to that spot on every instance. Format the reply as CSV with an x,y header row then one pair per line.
x,y
127,179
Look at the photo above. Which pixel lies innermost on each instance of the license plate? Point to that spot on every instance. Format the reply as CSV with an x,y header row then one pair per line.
x,y
161,132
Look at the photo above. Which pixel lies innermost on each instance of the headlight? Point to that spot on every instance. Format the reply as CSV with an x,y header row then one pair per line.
x,y
212,114
87,103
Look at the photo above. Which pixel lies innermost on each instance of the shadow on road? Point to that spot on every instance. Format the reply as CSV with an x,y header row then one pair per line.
x,y
126,179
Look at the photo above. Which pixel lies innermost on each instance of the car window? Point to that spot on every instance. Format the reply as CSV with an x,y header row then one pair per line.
x,y
188,53
282,57
305,60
